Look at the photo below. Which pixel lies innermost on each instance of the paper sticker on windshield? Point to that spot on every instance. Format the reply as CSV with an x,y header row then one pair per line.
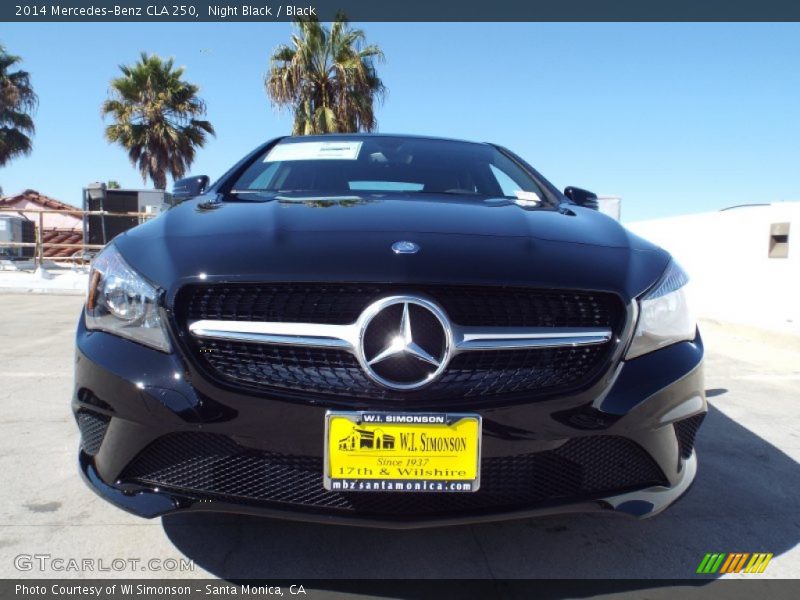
x,y
314,151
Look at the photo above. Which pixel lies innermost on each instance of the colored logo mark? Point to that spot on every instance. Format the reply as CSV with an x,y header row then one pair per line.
x,y
734,562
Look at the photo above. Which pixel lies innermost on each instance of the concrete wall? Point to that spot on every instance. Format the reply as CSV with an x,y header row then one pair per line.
x,y
726,255
150,198
611,206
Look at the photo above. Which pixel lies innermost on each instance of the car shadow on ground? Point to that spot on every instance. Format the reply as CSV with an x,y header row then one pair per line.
x,y
744,500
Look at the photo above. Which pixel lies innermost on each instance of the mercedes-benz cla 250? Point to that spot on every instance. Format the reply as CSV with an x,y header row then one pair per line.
x,y
387,330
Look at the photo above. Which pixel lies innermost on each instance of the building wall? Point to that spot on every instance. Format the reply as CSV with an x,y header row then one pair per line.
x,y
150,198
50,220
611,206
726,254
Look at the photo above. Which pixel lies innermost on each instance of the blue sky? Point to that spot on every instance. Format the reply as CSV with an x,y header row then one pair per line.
x,y
674,118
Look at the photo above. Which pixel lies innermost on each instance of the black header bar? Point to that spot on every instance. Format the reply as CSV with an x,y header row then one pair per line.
x,y
697,588
398,10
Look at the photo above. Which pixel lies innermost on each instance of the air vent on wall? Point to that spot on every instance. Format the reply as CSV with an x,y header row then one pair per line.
x,y
779,240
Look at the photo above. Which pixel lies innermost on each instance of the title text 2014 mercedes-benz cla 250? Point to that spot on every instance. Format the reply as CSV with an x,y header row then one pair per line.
x,y
387,330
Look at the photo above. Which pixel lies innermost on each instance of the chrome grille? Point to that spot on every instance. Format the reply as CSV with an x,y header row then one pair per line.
x,y
335,371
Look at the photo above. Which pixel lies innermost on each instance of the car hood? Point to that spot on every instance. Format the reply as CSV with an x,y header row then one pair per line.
x,y
489,242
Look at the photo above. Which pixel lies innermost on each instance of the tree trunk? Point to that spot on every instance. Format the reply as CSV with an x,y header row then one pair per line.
x,y
160,180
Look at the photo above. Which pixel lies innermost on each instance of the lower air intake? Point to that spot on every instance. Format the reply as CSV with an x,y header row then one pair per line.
x,y
686,431
93,428
213,466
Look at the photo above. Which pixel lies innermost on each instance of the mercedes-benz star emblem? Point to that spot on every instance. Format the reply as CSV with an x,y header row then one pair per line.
x,y
405,342
404,247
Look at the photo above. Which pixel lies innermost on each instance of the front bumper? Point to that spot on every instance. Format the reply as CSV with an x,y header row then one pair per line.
x,y
136,398
155,502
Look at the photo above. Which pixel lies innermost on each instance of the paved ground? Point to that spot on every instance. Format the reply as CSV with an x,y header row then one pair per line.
x,y
745,498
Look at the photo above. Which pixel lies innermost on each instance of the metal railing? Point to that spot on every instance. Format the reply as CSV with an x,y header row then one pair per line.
x,y
84,250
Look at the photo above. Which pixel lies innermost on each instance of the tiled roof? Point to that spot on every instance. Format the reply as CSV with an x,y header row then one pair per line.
x,y
36,197
61,236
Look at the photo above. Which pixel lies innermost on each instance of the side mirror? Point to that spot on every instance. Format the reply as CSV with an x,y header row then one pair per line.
x,y
582,197
189,187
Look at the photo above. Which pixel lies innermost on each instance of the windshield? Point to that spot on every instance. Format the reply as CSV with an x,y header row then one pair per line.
x,y
387,164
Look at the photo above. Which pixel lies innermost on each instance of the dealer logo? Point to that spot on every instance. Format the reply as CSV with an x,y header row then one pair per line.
x,y
364,439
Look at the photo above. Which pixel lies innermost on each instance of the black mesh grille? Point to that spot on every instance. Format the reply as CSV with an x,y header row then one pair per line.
x,y
686,431
336,372
210,465
471,374
342,304
93,429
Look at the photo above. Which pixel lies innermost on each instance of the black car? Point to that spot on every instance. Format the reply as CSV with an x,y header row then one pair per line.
x,y
386,330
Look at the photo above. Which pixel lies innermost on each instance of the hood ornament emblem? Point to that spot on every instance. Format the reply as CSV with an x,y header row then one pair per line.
x,y
405,247
405,342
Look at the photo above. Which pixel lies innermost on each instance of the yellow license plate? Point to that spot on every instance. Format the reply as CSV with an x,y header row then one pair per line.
x,y
402,452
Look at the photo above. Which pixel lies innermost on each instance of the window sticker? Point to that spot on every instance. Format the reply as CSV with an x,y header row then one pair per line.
x,y
343,150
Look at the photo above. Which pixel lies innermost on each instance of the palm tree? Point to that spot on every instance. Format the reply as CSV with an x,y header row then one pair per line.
x,y
17,103
156,120
327,77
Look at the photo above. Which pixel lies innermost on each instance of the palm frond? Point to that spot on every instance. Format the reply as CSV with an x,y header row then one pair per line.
x,y
327,77
155,114
18,102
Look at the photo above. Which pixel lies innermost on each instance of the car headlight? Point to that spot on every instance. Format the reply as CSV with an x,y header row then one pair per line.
x,y
121,302
664,315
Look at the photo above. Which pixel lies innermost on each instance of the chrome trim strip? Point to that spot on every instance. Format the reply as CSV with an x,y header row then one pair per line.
x,y
316,335
506,338
346,336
